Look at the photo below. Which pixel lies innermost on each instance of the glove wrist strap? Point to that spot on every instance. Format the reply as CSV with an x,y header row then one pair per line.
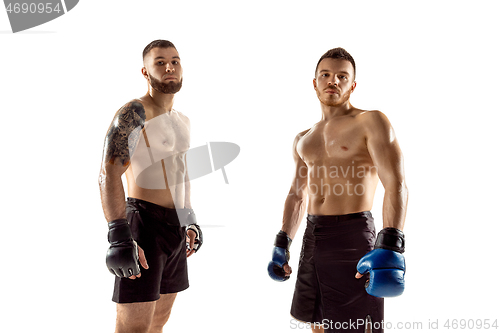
x,y
119,231
391,239
282,240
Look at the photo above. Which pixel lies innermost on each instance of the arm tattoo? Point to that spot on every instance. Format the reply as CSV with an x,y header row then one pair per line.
x,y
124,133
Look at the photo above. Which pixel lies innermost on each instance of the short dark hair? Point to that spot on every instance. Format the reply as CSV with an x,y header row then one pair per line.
x,y
157,43
337,53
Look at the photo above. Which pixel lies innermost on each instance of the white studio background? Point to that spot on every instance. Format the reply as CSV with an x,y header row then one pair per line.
x,y
431,67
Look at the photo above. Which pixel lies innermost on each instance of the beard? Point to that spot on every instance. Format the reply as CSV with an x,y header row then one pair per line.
x,y
165,88
328,101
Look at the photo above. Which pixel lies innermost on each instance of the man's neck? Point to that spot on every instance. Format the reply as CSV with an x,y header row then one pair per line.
x,y
163,102
329,112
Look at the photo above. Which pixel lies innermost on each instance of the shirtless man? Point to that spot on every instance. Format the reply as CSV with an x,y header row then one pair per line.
x,y
338,163
147,141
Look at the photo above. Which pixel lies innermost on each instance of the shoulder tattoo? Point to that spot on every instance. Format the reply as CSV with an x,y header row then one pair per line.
x,y
124,133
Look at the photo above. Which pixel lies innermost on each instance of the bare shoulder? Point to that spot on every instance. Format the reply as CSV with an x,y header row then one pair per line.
x,y
374,115
375,121
296,142
299,136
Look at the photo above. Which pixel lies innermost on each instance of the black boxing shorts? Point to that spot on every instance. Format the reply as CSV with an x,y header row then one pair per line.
x,y
158,232
326,291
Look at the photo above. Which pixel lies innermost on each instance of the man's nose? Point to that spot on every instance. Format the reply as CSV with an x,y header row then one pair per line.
x,y
170,68
334,81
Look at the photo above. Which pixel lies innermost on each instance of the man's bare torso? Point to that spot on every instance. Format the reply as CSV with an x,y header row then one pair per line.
x,y
341,175
157,172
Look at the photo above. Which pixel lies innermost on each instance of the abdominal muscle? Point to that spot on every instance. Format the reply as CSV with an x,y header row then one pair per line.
x,y
339,190
171,196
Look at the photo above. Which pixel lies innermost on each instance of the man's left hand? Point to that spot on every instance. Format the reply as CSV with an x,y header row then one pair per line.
x,y
190,239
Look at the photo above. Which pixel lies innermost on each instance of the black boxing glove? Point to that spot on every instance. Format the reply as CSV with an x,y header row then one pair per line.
x,y
122,257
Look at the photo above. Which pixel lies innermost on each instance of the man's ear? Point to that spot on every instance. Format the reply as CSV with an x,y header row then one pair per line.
x,y
353,86
144,72
314,84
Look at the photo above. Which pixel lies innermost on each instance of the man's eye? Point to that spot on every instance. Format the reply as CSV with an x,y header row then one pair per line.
x,y
175,62
325,75
160,62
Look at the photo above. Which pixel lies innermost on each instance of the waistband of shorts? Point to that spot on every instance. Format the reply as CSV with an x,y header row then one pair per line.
x,y
172,216
330,219
149,205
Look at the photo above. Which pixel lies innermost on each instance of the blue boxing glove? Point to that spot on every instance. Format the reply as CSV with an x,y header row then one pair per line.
x,y
281,256
385,264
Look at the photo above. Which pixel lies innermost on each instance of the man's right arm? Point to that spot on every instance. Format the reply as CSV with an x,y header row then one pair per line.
x,y
295,203
120,142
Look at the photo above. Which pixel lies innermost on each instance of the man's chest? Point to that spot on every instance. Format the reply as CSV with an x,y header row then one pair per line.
x,y
161,137
340,139
166,133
